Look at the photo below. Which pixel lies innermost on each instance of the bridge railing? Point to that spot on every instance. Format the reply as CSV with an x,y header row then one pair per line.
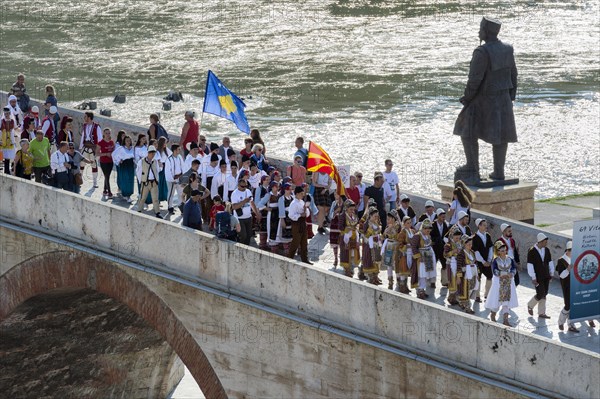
x,y
425,329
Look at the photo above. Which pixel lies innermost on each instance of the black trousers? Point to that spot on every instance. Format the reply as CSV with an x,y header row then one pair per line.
x,y
38,172
107,168
246,230
542,289
61,180
299,239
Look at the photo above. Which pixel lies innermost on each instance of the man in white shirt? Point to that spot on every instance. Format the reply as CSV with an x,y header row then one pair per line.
x,y
224,148
360,207
243,205
173,171
298,212
232,179
218,183
147,171
194,153
390,186
541,269
60,164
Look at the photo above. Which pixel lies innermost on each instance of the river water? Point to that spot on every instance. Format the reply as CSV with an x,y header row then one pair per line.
x,y
367,80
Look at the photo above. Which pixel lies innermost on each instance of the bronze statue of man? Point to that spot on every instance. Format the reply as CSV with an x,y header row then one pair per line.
x,y
488,110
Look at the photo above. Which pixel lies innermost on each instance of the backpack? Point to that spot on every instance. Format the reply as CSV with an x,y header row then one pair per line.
x,y
161,132
223,225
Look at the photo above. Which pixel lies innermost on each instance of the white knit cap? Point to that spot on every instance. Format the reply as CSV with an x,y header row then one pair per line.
x,y
569,244
462,214
439,211
504,226
541,237
429,203
478,221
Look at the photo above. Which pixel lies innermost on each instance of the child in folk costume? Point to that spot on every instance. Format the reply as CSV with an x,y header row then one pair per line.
x,y
284,229
389,250
503,293
313,209
272,219
405,253
216,208
451,250
424,269
349,255
335,213
466,275
371,257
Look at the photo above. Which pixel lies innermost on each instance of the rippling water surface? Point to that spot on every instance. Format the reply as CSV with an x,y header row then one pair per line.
x,y
367,80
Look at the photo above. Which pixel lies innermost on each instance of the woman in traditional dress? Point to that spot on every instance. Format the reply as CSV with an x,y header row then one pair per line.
x,y
349,255
371,256
451,250
163,152
424,256
466,275
334,228
389,250
405,255
284,228
66,127
123,157
7,139
272,219
322,183
503,292
262,195
23,166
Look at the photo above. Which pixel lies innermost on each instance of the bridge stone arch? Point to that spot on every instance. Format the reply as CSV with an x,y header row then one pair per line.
x,y
74,273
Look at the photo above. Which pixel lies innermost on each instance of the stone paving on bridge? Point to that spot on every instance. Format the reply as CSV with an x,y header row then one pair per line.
x,y
321,255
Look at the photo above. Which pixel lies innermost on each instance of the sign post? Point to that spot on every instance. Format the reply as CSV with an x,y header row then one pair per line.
x,y
585,281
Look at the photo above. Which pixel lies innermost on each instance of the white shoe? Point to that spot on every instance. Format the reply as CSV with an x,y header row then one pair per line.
x,y
129,200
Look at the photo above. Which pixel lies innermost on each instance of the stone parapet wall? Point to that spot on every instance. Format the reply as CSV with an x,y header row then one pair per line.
x,y
423,328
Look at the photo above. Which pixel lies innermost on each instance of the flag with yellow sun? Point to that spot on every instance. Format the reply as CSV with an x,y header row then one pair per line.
x,y
319,161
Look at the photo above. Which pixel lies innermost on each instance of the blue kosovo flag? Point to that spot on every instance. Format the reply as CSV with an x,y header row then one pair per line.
x,y
220,101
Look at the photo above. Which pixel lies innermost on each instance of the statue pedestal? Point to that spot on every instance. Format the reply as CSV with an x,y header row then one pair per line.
x,y
513,201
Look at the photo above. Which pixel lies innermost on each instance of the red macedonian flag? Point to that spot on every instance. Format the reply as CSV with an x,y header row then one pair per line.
x,y
319,161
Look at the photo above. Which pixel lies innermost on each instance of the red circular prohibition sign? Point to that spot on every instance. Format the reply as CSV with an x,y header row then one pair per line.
x,y
576,267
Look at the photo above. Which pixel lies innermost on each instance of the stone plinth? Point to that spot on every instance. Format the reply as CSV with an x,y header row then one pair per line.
x,y
514,201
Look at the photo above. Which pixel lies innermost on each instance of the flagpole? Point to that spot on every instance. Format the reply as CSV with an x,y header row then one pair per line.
x,y
204,102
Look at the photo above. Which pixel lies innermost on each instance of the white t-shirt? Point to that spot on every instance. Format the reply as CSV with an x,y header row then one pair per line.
x,y
457,208
238,196
389,186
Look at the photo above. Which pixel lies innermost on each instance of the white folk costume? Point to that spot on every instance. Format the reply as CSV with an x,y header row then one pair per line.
x,y
173,171
272,208
541,269
148,173
424,270
503,292
390,250
467,275
15,111
91,134
284,234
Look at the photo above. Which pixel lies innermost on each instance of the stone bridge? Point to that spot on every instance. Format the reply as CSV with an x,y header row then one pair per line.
x,y
99,301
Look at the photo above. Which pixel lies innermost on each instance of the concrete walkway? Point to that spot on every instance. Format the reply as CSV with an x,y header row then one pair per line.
x,y
558,214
